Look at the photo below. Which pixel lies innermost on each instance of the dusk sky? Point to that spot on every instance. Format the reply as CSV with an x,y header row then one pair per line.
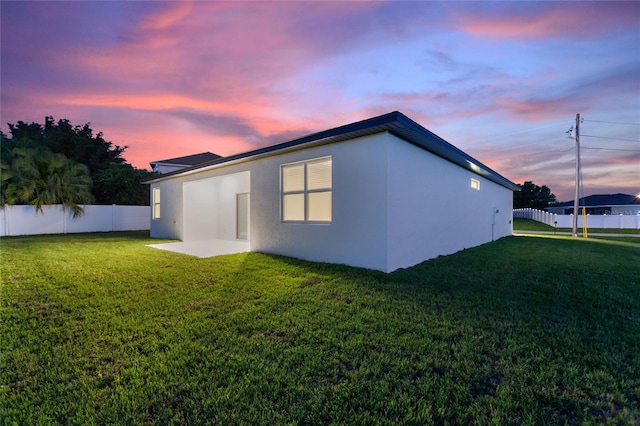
x,y
502,81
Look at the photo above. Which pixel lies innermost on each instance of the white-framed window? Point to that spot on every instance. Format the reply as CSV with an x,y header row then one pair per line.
x,y
306,191
475,184
156,203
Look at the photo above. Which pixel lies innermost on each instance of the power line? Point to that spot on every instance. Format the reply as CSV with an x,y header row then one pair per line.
x,y
511,148
607,137
529,155
611,122
531,129
611,149
558,150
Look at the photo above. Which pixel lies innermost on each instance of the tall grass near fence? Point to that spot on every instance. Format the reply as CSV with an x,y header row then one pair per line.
x,y
99,329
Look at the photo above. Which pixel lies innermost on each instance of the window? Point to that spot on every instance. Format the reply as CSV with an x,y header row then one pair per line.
x,y
475,184
242,216
306,191
156,203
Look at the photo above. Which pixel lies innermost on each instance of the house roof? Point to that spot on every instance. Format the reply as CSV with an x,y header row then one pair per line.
x,y
395,123
603,200
189,160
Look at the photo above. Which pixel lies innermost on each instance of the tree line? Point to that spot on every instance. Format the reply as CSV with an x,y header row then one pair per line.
x,y
59,163
532,196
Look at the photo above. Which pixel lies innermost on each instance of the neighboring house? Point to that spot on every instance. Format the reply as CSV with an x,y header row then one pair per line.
x,y
611,204
173,164
383,193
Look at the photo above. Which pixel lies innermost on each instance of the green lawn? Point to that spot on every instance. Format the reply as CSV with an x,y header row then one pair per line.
x,y
533,225
99,329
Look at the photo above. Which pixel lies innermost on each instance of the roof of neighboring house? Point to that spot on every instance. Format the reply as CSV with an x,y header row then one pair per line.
x,y
189,160
603,200
395,123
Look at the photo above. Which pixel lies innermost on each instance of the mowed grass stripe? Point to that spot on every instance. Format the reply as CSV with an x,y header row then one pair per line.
x,y
99,328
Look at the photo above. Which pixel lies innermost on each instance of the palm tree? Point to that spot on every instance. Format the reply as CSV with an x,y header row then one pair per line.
x,y
39,177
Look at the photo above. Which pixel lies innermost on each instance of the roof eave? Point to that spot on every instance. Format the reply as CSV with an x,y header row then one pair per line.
x,y
394,122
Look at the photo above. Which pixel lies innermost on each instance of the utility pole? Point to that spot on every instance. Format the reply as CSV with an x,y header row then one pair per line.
x,y
577,193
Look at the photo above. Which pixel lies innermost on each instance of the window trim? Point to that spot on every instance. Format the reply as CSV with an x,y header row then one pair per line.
x,y
305,191
155,203
475,184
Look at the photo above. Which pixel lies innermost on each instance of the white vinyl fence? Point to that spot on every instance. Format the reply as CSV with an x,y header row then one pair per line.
x,y
24,220
593,221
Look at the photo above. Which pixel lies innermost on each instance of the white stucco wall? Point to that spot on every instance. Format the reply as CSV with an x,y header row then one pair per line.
x,y
434,211
227,187
169,225
356,234
200,214
201,206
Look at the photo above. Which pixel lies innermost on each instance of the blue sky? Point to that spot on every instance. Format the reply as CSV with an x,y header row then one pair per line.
x,y
500,80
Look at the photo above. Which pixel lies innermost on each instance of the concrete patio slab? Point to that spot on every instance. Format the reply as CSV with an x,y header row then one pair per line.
x,y
205,248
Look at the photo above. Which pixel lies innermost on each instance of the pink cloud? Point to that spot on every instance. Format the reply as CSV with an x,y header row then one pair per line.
x,y
146,147
220,44
168,17
543,20
632,159
155,102
255,114
536,110
224,59
456,103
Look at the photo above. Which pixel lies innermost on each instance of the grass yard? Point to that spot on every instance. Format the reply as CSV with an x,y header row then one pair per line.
x,y
99,329
534,225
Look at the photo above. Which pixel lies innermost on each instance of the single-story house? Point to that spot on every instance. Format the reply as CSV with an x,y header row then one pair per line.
x,y
173,164
384,193
601,204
